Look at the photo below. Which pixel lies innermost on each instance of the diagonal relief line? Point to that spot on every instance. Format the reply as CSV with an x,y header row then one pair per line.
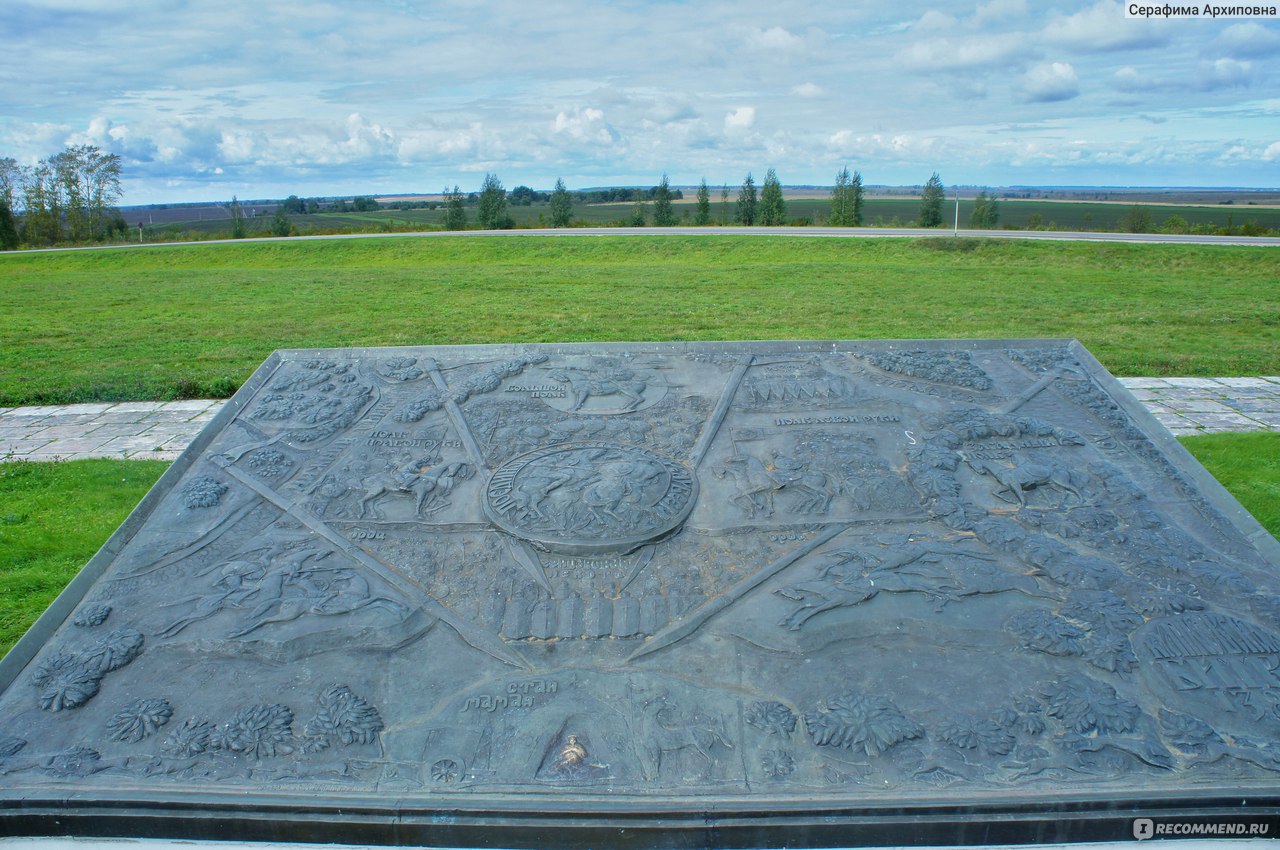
x,y
677,632
455,416
718,415
478,638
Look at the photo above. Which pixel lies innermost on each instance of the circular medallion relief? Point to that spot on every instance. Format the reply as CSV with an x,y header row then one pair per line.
x,y
588,498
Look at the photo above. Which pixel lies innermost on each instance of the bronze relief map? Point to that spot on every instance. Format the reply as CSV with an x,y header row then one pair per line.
x,y
592,580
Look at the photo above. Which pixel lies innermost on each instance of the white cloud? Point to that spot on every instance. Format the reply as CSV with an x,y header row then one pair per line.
x,y
935,21
1051,82
1272,153
1000,11
585,125
365,139
774,38
1248,40
742,118
1130,79
1225,74
988,52
237,146
663,111
456,144
808,90
1103,27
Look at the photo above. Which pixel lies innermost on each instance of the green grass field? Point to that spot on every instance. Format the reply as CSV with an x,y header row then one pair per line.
x,y
193,321
54,516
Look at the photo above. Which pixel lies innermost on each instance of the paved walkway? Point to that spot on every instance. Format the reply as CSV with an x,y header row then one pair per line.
x,y
162,429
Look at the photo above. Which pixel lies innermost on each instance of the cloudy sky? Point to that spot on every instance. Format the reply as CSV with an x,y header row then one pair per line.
x,y
263,98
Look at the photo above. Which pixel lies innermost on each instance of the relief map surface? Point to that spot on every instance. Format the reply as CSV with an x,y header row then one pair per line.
x,y
640,574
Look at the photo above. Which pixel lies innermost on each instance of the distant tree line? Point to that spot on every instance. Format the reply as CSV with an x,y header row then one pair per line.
x,y
622,194
764,205
68,198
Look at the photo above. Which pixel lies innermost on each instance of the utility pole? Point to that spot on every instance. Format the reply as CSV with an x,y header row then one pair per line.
x,y
956,232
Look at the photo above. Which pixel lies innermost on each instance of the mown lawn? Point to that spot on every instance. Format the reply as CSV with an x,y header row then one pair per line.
x,y
54,516
193,321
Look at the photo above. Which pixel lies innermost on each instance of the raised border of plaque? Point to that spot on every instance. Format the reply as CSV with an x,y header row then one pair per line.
x,y
662,594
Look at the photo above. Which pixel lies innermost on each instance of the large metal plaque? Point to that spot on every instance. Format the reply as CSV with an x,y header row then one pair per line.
x,y
729,593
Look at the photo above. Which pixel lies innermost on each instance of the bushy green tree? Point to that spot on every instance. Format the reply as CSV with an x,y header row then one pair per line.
x,y
1138,220
638,215
41,205
703,216
931,202
455,209
10,175
748,202
986,212
663,214
493,203
773,209
10,181
846,200
280,225
521,196
88,185
561,205
8,227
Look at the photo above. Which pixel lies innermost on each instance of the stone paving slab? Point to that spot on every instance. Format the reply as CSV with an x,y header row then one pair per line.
x,y
160,430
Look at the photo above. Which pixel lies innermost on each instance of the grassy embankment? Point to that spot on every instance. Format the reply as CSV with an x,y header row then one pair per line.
x,y
193,321
54,516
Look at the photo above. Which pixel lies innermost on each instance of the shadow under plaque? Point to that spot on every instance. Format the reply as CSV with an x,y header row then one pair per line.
x,y
669,594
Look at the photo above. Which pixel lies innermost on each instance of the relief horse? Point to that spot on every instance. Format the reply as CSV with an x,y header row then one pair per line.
x,y
1029,474
662,731
757,484
621,382
429,486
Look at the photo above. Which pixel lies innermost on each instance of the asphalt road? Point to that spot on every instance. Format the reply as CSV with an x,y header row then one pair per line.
x,y
820,232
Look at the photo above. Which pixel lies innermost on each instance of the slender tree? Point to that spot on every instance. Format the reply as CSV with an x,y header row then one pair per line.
x,y
237,219
931,202
846,200
68,171
561,205
42,205
89,184
10,175
280,225
663,214
747,202
703,217
455,209
841,202
8,228
724,204
10,181
773,209
493,203
986,213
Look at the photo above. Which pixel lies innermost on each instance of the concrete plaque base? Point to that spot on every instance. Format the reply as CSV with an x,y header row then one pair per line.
x,y
664,594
